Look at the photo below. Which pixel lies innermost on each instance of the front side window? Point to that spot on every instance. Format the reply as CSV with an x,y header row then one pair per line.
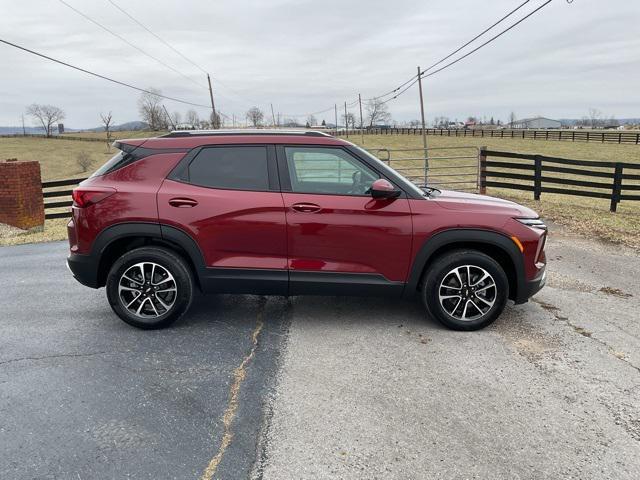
x,y
327,171
233,168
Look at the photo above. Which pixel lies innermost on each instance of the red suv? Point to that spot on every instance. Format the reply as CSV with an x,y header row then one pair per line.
x,y
292,213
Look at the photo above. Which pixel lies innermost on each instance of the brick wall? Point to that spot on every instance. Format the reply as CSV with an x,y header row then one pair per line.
x,y
21,203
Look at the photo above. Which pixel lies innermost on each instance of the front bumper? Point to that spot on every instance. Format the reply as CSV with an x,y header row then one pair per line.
x,y
532,287
84,269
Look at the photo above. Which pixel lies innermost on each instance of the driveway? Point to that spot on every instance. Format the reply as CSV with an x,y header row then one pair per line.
x,y
317,387
84,396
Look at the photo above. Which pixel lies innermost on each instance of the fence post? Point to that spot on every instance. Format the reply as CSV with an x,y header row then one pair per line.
x,y
617,187
482,170
537,178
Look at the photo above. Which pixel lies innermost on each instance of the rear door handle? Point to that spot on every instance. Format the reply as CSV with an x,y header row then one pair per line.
x,y
183,202
306,207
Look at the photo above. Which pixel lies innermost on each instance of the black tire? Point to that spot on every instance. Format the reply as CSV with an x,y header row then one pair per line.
x,y
443,270
178,302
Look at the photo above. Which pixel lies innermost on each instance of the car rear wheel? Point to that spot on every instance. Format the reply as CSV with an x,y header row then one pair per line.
x,y
465,290
150,287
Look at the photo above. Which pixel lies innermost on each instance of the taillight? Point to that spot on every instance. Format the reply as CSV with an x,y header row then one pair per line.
x,y
86,196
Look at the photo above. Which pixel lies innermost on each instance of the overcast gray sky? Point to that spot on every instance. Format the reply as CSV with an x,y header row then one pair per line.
x,y
306,55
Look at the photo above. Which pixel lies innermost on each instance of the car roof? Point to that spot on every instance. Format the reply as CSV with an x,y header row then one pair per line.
x,y
196,138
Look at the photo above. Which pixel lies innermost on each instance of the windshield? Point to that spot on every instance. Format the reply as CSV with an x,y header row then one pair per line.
x,y
386,168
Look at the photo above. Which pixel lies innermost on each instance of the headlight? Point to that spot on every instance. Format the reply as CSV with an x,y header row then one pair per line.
x,y
533,223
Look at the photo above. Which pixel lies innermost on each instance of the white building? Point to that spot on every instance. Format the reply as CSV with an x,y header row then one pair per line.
x,y
537,122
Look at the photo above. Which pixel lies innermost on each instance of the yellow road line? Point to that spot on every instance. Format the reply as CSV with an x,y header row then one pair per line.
x,y
239,374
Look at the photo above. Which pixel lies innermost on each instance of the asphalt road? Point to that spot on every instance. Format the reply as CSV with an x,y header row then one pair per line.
x,y
85,396
315,388
370,389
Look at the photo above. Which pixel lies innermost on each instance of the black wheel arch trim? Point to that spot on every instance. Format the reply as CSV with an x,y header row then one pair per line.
x,y
466,236
119,231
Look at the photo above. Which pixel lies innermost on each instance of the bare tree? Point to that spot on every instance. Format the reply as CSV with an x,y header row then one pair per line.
x,y
595,117
377,112
311,121
107,121
46,116
255,116
349,120
150,108
83,160
512,118
192,118
215,120
176,118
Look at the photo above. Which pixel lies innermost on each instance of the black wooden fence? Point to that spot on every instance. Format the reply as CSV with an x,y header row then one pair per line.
x,y
532,174
601,136
54,191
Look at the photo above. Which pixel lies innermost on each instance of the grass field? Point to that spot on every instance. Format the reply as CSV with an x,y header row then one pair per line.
x,y
585,216
591,217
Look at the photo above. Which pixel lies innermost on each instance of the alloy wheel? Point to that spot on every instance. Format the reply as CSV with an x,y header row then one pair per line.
x,y
467,292
147,290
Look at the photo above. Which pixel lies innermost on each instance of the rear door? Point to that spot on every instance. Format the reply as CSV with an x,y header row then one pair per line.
x,y
340,239
227,199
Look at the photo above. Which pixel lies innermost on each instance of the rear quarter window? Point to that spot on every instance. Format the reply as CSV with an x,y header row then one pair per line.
x,y
231,168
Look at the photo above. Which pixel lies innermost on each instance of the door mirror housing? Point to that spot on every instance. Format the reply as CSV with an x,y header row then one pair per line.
x,y
383,188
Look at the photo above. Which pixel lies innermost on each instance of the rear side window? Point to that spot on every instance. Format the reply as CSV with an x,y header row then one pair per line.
x,y
233,168
126,156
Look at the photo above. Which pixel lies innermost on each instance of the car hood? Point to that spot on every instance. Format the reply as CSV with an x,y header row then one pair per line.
x,y
470,202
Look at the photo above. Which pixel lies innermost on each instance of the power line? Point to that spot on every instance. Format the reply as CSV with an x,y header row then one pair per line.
x,y
95,22
402,88
157,36
452,53
495,37
477,36
33,52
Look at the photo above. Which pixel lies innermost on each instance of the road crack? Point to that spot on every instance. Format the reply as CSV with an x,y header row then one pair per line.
x,y
239,375
555,311
47,357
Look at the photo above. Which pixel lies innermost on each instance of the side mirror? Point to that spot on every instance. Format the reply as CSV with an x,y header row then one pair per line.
x,y
382,188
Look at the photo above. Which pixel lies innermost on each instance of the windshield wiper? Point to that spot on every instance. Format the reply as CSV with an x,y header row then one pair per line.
x,y
430,191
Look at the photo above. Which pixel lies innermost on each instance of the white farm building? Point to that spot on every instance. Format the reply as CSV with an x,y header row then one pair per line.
x,y
537,122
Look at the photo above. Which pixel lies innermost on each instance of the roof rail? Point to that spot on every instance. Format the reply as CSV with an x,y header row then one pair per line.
x,y
257,131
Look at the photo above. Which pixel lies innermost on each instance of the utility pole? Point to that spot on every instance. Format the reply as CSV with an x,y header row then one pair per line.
x,y
213,105
346,120
273,116
361,124
24,131
424,132
169,121
234,120
335,107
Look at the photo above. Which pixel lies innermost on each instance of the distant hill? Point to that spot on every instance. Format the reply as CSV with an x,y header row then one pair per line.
x,y
39,131
622,121
128,126
14,130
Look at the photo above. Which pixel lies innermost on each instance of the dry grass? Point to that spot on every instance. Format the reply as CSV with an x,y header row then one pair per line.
x,y
585,216
117,135
53,230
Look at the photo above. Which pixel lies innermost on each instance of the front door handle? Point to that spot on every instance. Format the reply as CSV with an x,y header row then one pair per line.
x,y
306,207
183,202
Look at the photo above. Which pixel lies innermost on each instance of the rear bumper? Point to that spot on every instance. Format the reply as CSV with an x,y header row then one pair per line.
x,y
532,287
84,269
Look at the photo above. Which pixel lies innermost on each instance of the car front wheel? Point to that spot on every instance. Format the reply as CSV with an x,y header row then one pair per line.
x,y
465,290
149,287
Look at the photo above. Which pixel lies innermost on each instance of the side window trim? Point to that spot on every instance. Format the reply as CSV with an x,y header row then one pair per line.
x,y
285,174
182,168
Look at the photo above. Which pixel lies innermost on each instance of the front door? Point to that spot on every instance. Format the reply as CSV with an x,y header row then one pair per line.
x,y
227,199
340,239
